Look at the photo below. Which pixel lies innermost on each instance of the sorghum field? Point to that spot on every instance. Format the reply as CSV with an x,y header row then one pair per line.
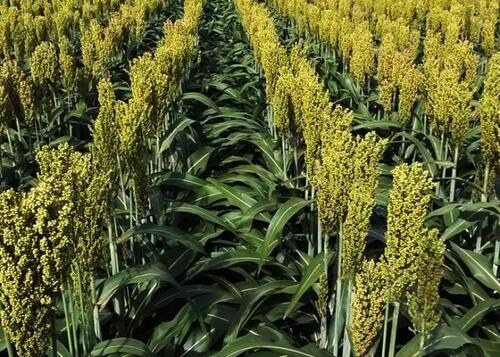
x,y
223,178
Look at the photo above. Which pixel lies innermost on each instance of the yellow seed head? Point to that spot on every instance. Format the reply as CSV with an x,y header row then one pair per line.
x,y
424,297
408,205
368,303
489,113
333,172
361,62
361,201
44,64
67,63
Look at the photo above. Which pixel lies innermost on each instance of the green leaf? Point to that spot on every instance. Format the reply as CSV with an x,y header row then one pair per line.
x,y
442,338
377,124
274,160
479,265
458,226
248,217
121,346
251,342
134,275
475,314
282,216
311,274
61,350
197,162
181,180
170,233
234,196
490,348
202,213
235,257
251,301
202,99
176,129
426,155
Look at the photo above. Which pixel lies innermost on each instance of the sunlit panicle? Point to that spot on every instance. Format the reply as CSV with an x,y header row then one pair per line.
x,y
361,63
313,15
44,64
405,38
333,174
489,113
361,201
114,36
368,303
488,37
41,27
387,82
27,94
67,63
344,40
269,53
410,84
131,143
26,300
329,28
424,297
30,40
408,206
4,106
105,148
142,85
37,231
18,87
449,71
398,78
282,104
94,54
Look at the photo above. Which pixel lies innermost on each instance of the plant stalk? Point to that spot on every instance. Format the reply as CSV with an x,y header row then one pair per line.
x,y
346,351
454,175
67,321
386,323
394,329
338,297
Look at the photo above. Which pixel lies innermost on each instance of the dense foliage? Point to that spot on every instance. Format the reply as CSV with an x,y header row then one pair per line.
x,y
258,178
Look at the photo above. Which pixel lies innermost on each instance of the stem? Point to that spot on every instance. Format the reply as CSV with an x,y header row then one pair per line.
x,y
10,142
82,311
454,175
484,198
122,182
67,321
386,322
441,145
310,243
97,324
115,268
484,195
324,321
320,237
296,162
19,131
1,163
422,338
346,352
338,297
394,329
284,155
445,157
496,256
73,319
